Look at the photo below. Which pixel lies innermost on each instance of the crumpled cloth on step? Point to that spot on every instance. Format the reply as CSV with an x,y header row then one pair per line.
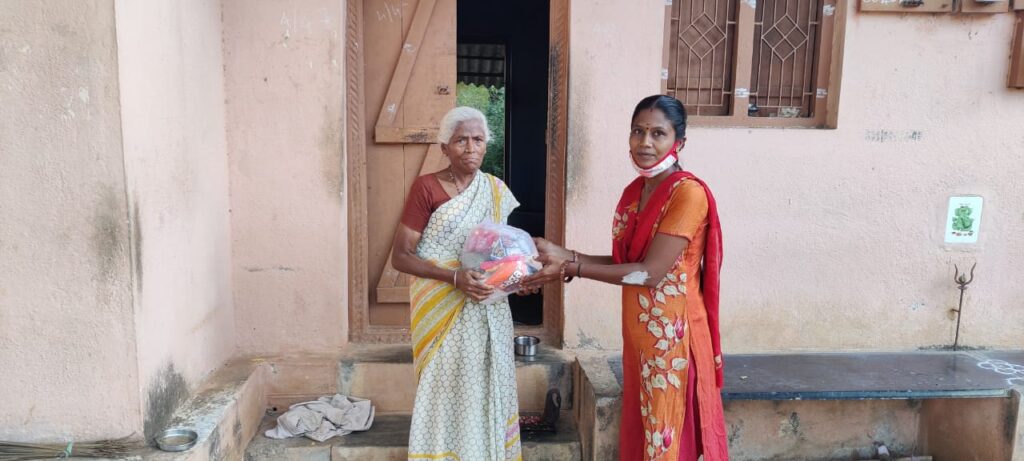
x,y
324,418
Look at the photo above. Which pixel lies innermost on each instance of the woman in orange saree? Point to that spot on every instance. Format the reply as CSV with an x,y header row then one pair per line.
x,y
666,255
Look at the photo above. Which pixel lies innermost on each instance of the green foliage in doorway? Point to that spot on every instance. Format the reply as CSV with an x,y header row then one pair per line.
x,y
490,101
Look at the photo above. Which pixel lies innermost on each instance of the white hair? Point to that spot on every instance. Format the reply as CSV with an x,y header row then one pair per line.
x,y
458,115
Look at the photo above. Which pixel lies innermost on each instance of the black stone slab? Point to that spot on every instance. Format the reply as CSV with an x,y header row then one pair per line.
x,y
1008,365
851,376
1011,357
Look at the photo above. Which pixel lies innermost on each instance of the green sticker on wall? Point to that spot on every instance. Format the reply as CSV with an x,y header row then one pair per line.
x,y
963,220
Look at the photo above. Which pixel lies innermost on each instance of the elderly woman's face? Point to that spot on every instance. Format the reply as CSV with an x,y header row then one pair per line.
x,y
650,137
467,146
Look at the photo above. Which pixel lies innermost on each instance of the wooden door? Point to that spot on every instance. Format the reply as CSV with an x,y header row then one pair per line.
x,y
400,80
413,44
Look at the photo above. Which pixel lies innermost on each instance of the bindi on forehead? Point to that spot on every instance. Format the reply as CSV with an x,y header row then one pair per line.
x,y
649,125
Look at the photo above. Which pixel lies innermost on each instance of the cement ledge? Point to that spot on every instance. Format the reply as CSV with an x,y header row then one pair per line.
x,y
225,411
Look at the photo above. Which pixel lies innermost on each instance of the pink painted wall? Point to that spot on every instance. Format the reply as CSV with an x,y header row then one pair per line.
x,y
284,79
175,149
67,338
833,238
602,41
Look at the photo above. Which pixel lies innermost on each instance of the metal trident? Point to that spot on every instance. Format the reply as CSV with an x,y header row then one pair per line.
x,y
962,281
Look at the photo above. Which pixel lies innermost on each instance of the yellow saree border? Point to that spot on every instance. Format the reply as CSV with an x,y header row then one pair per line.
x,y
436,304
496,198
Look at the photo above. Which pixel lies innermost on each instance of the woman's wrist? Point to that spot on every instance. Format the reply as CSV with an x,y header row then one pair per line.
x,y
569,270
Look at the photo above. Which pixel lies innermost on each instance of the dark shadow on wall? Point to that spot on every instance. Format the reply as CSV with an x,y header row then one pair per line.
x,y
166,391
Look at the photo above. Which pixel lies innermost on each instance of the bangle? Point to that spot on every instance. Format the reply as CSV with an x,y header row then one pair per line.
x,y
565,279
455,278
579,270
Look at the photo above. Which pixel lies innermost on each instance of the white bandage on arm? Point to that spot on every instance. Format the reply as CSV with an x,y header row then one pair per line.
x,y
636,278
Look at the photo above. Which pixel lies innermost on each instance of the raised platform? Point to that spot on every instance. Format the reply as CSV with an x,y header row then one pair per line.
x,y
915,375
385,375
955,405
224,412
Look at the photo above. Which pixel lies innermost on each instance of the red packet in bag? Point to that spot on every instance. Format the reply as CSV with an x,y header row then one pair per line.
x,y
504,254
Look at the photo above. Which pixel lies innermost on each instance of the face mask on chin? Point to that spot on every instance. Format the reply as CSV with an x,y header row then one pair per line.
x,y
666,162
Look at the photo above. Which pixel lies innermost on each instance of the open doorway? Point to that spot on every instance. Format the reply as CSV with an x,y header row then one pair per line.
x,y
502,69
402,63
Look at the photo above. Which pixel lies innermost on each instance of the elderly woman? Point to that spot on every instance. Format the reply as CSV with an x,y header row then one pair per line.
x,y
466,404
666,253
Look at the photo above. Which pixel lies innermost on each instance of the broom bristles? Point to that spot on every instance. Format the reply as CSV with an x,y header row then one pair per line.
x,y
20,451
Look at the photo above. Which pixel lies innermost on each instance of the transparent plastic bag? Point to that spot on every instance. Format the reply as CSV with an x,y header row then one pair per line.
x,y
504,254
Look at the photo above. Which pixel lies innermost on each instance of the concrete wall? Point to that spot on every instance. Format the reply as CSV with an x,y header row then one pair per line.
x,y
284,77
67,338
601,41
833,238
826,430
175,149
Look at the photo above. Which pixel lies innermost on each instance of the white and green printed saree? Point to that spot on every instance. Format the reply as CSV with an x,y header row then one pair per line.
x,y
466,407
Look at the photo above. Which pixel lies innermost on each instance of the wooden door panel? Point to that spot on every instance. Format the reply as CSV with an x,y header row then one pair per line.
x,y
383,36
410,69
393,286
431,90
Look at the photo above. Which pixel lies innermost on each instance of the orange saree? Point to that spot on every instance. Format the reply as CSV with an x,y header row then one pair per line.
x,y
672,406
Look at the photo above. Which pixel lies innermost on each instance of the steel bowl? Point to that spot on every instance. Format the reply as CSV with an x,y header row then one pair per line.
x,y
526,345
176,439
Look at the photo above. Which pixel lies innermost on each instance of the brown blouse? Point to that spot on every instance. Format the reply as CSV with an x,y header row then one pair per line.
x,y
425,196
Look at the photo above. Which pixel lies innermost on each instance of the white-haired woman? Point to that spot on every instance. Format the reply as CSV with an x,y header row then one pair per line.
x,y
466,393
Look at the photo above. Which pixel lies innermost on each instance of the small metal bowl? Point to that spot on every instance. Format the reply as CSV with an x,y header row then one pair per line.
x,y
526,345
176,439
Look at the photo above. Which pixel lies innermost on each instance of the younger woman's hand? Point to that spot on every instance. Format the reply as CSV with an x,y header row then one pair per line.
x,y
546,248
471,283
551,272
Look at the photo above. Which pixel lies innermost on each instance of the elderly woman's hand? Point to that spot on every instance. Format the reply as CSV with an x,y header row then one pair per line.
x,y
471,283
527,291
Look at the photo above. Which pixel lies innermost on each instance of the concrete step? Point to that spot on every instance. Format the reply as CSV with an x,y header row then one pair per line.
x,y
224,411
388,440
385,375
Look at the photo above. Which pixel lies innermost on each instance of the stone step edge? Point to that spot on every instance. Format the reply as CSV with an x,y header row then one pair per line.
x,y
394,436
225,411
361,367
598,404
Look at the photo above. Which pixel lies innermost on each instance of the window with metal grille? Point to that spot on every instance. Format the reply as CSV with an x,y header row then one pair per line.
x,y
701,56
755,62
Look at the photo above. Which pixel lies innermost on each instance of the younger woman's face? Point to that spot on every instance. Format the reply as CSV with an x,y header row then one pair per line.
x,y
650,137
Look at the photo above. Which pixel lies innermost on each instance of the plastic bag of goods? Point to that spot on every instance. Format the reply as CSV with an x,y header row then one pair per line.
x,y
504,254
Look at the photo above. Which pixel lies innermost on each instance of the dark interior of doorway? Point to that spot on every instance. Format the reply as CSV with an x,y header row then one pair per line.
x,y
514,52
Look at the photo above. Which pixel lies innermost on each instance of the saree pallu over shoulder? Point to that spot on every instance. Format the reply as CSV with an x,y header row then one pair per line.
x,y
434,307
671,407
636,236
435,303
466,406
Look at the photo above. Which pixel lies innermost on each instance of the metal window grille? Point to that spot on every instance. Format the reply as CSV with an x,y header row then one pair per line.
x,y
702,52
785,58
